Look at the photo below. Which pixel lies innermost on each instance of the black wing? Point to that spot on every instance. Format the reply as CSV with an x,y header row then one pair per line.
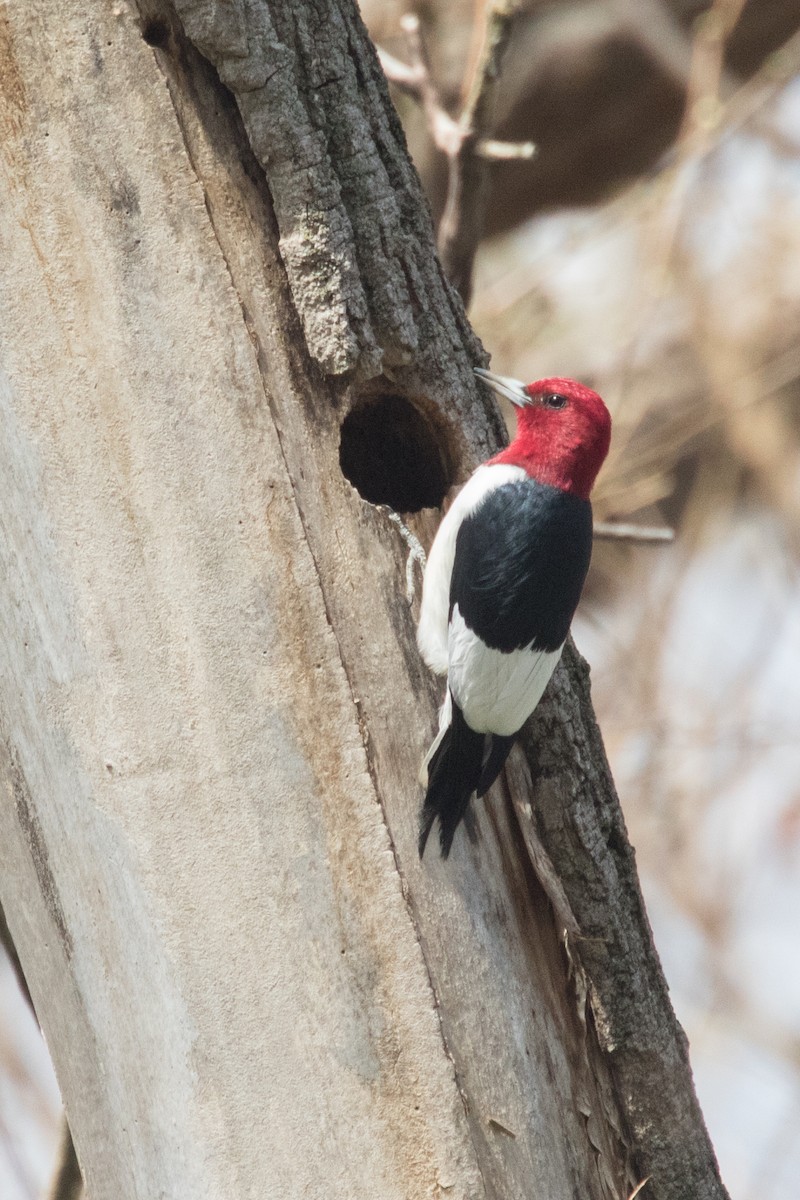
x,y
520,564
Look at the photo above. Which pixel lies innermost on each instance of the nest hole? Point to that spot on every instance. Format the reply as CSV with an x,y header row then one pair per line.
x,y
155,32
392,454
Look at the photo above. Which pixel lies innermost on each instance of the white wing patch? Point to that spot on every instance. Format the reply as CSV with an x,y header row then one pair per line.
x,y
432,633
496,692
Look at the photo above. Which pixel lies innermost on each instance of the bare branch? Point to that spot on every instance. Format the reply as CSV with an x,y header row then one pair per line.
x,y
462,141
404,77
499,20
445,131
462,220
493,150
704,105
624,532
777,71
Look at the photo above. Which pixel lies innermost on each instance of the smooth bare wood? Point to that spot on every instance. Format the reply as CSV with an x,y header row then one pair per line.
x,y
212,711
194,866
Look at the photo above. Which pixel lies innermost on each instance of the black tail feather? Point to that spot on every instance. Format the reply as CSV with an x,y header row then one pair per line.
x,y
500,750
453,775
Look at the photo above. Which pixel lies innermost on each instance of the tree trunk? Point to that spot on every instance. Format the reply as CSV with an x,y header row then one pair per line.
x,y
212,711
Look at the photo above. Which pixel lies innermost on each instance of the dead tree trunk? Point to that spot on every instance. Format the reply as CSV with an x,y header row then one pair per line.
x,y
216,267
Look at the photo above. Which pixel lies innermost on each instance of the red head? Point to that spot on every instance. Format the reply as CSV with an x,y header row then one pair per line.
x,y
563,431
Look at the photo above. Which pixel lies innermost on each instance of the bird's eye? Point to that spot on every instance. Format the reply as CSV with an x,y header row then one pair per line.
x,y
554,400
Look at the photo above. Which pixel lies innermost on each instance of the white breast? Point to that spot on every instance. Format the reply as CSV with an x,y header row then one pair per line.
x,y
496,692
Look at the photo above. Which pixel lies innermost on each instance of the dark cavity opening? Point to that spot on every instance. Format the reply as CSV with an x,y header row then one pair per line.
x,y
155,32
392,454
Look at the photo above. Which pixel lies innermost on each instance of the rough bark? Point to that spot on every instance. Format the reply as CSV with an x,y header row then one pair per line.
x,y
212,712
354,227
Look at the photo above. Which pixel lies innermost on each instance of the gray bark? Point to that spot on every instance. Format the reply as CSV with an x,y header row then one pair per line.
x,y
212,711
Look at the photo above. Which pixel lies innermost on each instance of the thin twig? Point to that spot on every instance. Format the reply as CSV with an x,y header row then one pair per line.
x,y
624,532
464,142
404,77
744,105
703,113
497,151
462,220
704,106
444,130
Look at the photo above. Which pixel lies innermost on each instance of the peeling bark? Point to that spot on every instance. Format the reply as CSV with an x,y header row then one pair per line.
x,y
355,234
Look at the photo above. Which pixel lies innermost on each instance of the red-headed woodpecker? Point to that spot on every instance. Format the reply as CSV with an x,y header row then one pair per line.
x,y
502,583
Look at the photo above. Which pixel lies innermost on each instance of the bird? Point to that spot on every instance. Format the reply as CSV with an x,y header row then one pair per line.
x,y
501,585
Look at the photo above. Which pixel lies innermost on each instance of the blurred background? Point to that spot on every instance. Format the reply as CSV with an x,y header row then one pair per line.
x,y
651,247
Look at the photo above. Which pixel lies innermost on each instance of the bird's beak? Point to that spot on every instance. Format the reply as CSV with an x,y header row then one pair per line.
x,y
512,389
